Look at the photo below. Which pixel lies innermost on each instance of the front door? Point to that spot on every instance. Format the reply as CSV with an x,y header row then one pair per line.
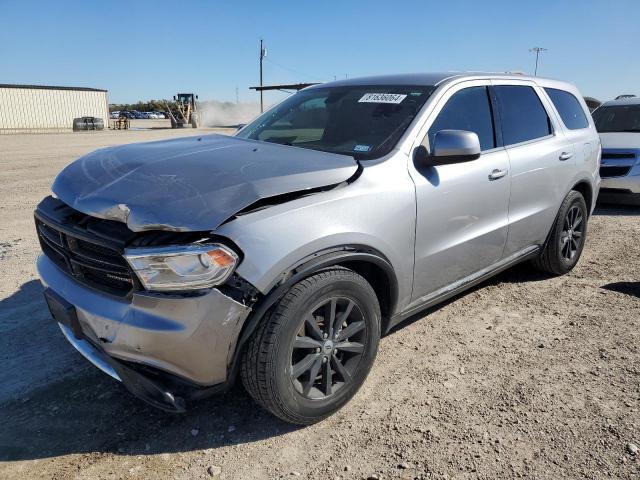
x,y
462,220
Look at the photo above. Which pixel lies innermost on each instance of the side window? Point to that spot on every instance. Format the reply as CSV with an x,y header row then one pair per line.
x,y
569,108
470,110
522,115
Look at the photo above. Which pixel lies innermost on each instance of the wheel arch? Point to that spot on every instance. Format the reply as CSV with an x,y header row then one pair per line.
x,y
368,262
585,189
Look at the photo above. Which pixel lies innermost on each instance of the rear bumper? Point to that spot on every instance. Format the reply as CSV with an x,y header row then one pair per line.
x,y
191,337
619,196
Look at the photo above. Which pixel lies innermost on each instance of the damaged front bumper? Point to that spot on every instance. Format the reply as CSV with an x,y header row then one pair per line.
x,y
154,343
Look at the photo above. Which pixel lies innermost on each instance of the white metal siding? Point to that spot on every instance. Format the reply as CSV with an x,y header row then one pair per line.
x,y
24,110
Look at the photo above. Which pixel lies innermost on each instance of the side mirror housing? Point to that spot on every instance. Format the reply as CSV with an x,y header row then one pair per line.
x,y
449,146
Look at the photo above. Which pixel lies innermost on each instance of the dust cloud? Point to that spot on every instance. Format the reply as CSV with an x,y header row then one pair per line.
x,y
227,114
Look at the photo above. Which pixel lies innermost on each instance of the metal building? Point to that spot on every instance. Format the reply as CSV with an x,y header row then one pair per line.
x,y
39,109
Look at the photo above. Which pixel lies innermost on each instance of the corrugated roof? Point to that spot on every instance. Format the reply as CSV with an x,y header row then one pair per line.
x,y
50,87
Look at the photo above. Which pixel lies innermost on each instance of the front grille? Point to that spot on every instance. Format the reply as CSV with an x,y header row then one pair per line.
x,y
616,191
607,172
617,156
91,263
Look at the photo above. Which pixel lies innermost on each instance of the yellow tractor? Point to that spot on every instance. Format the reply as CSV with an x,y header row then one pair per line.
x,y
183,110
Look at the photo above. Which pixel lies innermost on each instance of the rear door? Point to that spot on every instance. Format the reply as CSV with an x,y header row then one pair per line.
x,y
579,129
461,224
542,161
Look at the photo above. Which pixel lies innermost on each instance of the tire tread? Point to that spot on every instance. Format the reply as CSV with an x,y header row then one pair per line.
x,y
548,261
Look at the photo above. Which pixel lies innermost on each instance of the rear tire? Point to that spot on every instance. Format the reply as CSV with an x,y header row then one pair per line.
x,y
566,240
299,364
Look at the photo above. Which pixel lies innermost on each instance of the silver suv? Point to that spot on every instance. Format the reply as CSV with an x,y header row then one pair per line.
x,y
283,253
618,123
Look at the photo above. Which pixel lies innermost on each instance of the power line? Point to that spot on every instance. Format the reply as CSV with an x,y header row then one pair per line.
x,y
293,70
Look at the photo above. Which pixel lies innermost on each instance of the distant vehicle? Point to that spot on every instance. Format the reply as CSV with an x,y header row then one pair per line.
x,y
618,123
160,115
184,110
127,114
592,103
114,115
283,253
628,95
152,115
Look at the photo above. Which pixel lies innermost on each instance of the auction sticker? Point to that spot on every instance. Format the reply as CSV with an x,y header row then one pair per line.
x,y
382,98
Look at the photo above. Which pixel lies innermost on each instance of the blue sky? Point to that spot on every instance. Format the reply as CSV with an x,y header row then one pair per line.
x,y
151,49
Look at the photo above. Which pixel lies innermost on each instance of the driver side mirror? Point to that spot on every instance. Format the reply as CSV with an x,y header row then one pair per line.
x,y
449,146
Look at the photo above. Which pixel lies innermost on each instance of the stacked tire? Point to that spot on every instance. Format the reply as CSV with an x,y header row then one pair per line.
x,y
87,123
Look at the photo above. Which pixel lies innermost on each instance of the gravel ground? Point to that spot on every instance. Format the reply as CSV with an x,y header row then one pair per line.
x,y
525,376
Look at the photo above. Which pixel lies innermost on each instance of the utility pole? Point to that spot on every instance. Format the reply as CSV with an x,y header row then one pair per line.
x,y
237,95
537,51
263,53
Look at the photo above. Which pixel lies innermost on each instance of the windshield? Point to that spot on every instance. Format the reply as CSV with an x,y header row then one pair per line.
x,y
364,122
617,118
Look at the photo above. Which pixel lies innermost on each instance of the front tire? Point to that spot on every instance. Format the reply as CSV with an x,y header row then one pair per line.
x,y
316,348
566,240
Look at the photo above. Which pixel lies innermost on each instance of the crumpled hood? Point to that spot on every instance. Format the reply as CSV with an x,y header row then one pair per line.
x,y
630,140
193,183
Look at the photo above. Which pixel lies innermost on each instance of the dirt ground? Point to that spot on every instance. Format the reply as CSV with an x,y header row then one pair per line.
x,y
526,376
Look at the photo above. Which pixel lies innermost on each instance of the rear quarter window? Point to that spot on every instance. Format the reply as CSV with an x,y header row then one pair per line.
x,y
569,108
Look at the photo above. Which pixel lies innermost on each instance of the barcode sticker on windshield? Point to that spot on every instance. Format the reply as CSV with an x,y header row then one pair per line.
x,y
382,98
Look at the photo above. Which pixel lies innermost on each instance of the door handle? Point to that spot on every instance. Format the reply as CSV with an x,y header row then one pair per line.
x,y
565,156
496,174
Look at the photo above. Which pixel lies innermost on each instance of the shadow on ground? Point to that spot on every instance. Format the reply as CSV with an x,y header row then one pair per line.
x,y
32,351
28,293
93,413
606,209
520,273
628,288
79,409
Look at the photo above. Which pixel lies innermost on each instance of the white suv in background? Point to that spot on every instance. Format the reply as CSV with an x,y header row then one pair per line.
x,y
618,123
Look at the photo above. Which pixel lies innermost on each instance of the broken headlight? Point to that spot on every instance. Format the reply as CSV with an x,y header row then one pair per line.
x,y
185,267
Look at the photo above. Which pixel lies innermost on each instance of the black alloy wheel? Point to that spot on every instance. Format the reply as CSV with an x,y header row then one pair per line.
x,y
572,233
327,348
